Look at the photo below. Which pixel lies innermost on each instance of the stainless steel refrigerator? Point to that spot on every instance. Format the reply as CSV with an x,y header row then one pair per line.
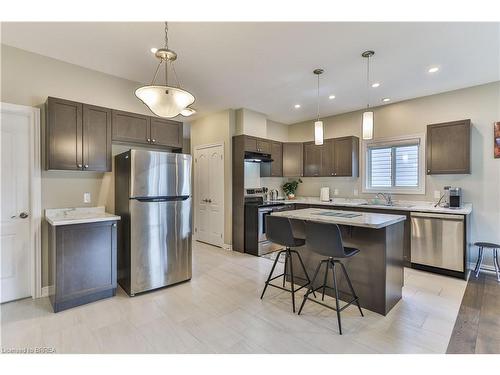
x,y
153,198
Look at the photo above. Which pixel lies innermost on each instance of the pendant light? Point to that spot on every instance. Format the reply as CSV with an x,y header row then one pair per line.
x,y
318,125
368,115
164,100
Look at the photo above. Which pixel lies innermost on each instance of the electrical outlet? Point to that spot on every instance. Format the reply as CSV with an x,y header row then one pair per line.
x,y
86,197
437,194
336,192
356,192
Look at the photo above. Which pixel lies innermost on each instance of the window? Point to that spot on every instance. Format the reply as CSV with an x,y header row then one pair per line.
x,y
394,165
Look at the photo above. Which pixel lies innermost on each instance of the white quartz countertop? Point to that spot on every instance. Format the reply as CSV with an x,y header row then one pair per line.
x,y
412,206
79,215
356,219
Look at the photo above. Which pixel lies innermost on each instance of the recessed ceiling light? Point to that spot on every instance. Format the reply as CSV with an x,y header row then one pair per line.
x,y
297,105
331,97
153,50
376,84
434,69
385,100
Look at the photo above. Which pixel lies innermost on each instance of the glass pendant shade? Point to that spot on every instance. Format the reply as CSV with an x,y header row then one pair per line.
x,y
318,133
164,101
188,111
367,125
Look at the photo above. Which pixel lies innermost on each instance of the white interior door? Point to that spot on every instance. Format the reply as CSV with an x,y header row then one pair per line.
x,y
209,194
15,250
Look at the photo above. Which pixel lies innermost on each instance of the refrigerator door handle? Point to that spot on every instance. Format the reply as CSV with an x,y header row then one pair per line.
x,y
161,199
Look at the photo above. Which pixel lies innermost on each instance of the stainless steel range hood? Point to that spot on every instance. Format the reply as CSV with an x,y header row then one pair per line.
x,y
257,157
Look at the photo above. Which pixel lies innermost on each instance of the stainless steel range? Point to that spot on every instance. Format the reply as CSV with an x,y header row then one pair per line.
x,y
257,208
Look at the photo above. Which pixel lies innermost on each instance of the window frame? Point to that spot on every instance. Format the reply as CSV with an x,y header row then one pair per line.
x,y
393,142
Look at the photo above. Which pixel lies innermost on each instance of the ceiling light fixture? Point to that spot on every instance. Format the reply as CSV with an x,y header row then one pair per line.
x,y
434,69
318,125
375,85
385,100
164,100
367,122
331,97
297,105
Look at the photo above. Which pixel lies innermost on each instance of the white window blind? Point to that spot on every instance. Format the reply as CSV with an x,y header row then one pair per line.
x,y
393,166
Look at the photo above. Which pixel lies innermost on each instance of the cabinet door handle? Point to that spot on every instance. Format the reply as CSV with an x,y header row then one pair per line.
x,y
428,171
149,140
153,140
86,165
79,165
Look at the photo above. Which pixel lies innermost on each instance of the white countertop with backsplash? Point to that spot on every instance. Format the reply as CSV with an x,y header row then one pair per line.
x,y
413,206
78,215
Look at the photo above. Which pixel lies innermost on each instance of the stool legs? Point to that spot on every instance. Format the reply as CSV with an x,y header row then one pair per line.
x,y
331,263
350,287
479,262
288,264
336,296
497,265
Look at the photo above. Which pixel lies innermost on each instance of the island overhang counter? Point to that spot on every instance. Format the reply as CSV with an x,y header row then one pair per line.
x,y
376,271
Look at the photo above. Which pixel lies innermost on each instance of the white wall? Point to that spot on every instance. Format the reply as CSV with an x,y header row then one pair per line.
x,y
215,128
481,104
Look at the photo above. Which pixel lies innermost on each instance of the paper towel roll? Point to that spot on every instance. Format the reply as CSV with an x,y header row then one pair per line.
x,y
324,194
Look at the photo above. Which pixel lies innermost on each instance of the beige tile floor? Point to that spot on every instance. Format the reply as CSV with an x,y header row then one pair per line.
x,y
219,311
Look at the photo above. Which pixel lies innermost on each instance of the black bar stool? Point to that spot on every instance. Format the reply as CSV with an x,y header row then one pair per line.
x,y
326,239
487,245
279,230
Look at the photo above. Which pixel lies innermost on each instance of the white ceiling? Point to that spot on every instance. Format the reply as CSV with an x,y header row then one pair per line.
x,y
267,67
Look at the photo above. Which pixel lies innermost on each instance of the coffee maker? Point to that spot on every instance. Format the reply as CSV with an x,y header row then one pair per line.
x,y
455,199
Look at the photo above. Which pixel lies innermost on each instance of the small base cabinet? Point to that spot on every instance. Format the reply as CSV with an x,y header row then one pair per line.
x,y
82,263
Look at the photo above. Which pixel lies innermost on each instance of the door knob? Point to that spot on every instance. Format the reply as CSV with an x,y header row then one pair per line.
x,y
209,201
23,215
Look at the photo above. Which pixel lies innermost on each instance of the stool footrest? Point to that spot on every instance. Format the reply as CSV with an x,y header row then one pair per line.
x,y
331,307
286,289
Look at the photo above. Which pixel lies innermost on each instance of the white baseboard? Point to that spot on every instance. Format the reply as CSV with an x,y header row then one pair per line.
x,y
47,291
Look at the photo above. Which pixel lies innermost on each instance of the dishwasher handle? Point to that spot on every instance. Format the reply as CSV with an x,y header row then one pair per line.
x,y
437,216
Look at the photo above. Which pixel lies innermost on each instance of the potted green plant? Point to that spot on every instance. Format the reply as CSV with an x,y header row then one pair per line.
x,y
290,188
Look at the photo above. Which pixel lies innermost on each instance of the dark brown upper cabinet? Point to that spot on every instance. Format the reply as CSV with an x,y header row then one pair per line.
x,y
344,157
96,138
313,155
448,147
131,127
145,130
166,132
64,134
293,165
275,168
257,145
78,136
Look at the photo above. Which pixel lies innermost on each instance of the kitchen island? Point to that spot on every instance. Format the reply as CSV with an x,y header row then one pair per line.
x,y
376,271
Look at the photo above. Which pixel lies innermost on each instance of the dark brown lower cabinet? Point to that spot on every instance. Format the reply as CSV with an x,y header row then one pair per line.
x,y
82,263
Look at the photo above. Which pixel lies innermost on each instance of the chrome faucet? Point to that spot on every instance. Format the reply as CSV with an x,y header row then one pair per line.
x,y
387,197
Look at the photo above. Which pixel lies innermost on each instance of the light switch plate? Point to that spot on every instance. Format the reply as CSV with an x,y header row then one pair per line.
x,y
86,197
437,194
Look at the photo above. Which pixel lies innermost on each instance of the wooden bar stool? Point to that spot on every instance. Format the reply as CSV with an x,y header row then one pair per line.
x,y
487,245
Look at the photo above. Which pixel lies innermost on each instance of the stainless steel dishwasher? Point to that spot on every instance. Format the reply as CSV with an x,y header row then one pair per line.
x,y
437,240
